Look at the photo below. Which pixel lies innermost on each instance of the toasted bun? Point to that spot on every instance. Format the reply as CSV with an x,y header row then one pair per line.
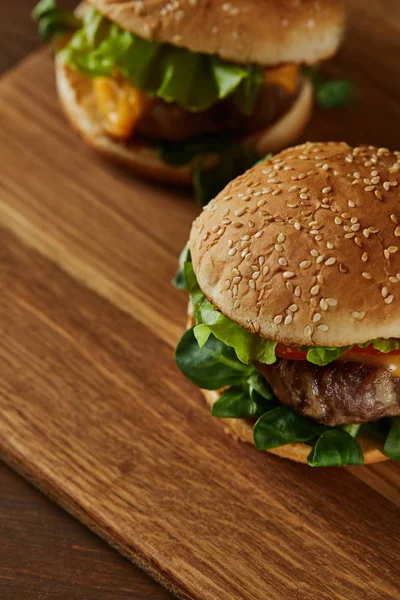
x,y
305,247
77,99
267,32
242,430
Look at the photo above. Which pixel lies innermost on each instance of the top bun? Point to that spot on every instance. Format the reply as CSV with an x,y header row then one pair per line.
x,y
305,247
267,32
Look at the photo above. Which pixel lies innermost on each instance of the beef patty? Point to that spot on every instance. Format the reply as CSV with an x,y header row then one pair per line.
x,y
169,121
338,393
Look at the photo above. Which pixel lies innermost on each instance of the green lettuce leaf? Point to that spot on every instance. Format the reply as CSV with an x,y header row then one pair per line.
x,y
282,426
330,93
195,81
179,279
236,403
207,183
392,443
53,22
323,355
249,347
211,367
385,345
335,448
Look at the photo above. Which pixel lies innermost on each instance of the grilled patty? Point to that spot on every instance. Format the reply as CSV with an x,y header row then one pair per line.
x,y
168,121
339,393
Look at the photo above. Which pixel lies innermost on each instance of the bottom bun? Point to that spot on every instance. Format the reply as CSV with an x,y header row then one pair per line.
x,y
242,429
78,101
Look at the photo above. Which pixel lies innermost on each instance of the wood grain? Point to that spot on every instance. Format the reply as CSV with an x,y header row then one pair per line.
x,y
138,459
46,555
92,408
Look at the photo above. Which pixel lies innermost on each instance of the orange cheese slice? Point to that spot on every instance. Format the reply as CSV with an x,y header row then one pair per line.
x,y
285,77
120,104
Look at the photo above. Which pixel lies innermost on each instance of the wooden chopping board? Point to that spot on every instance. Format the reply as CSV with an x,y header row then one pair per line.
x,y
92,408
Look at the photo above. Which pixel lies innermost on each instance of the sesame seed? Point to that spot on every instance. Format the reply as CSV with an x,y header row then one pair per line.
x,y
237,224
358,315
288,319
281,237
364,257
252,284
326,190
278,247
351,204
307,331
289,286
369,188
297,291
384,292
386,185
332,301
389,299
288,274
293,308
386,254
314,290
256,274
239,212
366,275
276,192
237,279
325,167
297,226
338,221
245,237
278,319
323,327
258,234
317,317
293,188
393,279
323,304
330,261
392,249
378,194
397,232
232,252
282,262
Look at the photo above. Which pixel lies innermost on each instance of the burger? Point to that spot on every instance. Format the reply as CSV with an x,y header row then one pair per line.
x,y
189,91
293,273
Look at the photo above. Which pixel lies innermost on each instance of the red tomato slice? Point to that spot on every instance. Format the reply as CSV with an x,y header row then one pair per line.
x,y
290,352
293,353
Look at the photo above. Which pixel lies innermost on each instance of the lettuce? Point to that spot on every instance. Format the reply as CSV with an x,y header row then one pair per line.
x,y
53,22
323,355
195,81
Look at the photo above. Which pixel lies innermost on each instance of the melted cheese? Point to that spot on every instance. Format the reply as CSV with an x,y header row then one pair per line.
x,y
120,104
390,363
285,77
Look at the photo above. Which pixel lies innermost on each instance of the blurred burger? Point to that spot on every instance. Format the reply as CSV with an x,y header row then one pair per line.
x,y
173,88
293,273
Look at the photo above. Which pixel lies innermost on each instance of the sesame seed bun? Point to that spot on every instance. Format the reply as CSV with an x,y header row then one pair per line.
x,y
243,31
242,430
78,101
304,248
